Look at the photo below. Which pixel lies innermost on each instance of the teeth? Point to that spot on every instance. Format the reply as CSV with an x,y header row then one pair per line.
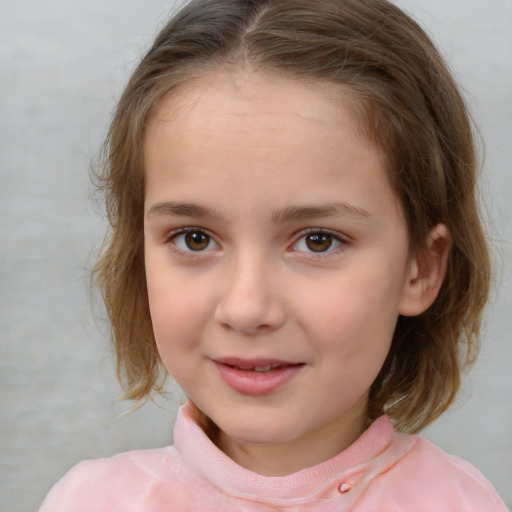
x,y
244,367
263,368
259,369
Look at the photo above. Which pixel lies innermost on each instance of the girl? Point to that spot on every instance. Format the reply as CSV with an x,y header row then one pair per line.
x,y
295,238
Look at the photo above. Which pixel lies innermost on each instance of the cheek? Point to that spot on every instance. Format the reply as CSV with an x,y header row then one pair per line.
x,y
177,306
173,313
352,320
176,325
350,305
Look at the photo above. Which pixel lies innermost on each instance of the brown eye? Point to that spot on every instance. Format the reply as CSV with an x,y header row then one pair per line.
x,y
196,240
319,242
193,240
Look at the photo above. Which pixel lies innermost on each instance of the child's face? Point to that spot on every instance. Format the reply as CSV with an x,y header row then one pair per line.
x,y
272,239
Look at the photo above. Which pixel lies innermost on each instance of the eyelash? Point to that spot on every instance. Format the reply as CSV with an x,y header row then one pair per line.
x,y
170,239
338,240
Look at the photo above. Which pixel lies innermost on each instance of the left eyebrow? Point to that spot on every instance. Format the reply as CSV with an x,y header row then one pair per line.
x,y
314,212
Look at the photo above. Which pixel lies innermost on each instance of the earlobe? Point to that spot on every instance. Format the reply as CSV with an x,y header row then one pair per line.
x,y
426,273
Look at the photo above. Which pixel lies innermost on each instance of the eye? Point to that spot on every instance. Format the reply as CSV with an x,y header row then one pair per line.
x,y
193,240
318,242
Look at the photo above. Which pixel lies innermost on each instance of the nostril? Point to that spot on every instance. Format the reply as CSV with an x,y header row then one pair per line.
x,y
246,327
263,327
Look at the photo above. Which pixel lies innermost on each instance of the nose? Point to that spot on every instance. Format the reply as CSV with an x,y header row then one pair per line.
x,y
250,301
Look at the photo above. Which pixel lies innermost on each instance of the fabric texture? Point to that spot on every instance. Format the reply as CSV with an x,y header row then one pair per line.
x,y
382,471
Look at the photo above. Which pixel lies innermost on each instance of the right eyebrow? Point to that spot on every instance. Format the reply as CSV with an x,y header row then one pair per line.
x,y
182,209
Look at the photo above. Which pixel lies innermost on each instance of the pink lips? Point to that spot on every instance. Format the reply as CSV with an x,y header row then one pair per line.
x,y
256,377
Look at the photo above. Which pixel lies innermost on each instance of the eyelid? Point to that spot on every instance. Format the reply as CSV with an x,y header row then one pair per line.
x,y
171,235
336,235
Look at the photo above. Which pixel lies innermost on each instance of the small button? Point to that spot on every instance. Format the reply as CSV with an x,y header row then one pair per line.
x,y
344,487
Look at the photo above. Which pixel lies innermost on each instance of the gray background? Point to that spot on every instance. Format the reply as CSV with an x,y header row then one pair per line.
x,y
62,65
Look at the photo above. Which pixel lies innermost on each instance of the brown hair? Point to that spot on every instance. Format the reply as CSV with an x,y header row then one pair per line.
x,y
408,105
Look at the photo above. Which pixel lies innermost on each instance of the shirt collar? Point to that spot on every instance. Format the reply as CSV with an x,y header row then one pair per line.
x,y
375,451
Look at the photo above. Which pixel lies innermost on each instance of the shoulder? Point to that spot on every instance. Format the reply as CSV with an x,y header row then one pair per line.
x,y
443,465
127,481
433,454
436,481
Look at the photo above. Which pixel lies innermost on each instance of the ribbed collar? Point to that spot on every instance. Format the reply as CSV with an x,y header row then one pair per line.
x,y
376,450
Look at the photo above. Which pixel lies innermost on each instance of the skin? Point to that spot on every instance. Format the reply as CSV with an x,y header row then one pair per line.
x,y
251,162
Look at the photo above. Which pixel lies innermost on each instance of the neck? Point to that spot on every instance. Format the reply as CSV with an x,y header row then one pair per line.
x,y
309,450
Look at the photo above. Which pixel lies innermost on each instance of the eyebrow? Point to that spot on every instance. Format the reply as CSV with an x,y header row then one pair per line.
x,y
314,212
298,212
180,209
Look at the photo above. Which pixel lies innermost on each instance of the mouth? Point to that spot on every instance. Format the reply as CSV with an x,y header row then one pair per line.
x,y
259,365
256,377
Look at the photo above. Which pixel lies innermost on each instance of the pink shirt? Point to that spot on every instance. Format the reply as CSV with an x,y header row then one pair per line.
x,y
382,471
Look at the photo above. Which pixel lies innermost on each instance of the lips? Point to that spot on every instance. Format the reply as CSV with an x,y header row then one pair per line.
x,y
258,376
258,365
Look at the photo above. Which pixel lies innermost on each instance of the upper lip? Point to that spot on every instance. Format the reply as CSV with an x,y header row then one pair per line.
x,y
246,364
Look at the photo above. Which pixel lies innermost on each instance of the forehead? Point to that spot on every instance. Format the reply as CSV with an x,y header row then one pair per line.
x,y
262,135
236,93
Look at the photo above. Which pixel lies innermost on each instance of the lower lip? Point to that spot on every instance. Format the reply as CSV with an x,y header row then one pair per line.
x,y
254,383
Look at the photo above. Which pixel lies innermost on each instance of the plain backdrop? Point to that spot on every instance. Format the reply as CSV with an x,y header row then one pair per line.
x,y
62,67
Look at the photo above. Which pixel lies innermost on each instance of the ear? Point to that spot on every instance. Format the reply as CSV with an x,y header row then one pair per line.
x,y
426,273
